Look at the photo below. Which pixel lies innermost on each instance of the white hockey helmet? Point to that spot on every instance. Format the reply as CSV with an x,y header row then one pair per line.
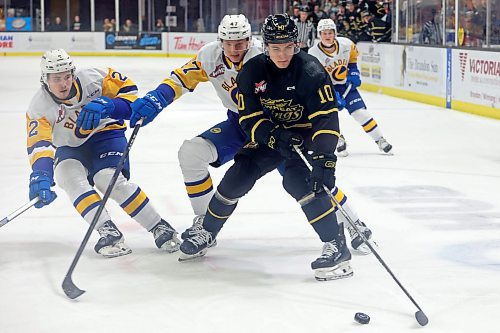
x,y
326,24
55,61
234,27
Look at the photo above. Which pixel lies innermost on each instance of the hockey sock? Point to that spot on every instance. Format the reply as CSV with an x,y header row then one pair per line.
x,y
219,210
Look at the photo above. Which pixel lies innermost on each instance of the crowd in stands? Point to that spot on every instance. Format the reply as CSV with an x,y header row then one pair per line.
x,y
359,20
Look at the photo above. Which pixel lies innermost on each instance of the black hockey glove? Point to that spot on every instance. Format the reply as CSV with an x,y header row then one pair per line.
x,y
283,141
323,173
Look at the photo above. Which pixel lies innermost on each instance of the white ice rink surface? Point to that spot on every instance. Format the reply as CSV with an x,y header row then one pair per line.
x,y
434,208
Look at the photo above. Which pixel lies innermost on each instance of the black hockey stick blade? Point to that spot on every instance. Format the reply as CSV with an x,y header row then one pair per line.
x,y
70,289
421,318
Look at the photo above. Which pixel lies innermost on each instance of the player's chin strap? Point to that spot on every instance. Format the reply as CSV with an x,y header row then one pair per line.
x,y
419,315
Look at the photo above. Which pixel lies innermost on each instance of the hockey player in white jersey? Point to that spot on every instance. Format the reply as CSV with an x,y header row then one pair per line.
x,y
339,56
75,129
218,63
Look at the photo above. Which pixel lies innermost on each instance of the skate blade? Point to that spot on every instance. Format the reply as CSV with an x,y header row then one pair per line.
x,y
363,249
343,153
114,251
341,271
187,257
171,246
389,153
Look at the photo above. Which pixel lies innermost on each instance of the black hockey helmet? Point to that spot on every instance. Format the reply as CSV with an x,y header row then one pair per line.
x,y
278,29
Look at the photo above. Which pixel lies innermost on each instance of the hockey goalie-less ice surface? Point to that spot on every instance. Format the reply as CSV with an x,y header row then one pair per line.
x,y
433,207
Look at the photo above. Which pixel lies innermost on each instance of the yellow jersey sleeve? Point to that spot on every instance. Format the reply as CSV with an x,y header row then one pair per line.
x,y
186,78
39,144
115,84
353,55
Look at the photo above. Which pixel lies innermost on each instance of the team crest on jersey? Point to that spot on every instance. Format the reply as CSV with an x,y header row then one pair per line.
x,y
260,86
283,110
218,71
61,114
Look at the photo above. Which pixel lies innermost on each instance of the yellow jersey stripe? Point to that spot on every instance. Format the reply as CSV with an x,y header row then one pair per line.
x,y
254,128
255,114
172,84
323,112
326,132
306,125
41,154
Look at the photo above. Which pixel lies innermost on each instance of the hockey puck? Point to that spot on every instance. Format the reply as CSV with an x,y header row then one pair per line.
x,y
362,318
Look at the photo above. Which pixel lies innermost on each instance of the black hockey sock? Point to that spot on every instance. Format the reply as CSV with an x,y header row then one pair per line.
x,y
219,210
321,215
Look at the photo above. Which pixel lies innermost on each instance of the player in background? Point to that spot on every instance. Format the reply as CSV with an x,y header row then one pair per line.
x,y
339,57
76,133
285,100
218,63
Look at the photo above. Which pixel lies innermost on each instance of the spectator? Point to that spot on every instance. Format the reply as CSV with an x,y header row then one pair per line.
x,y
317,15
431,32
159,26
296,13
76,24
129,26
107,26
57,25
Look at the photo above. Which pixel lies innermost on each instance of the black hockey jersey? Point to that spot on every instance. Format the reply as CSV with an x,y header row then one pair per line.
x,y
300,98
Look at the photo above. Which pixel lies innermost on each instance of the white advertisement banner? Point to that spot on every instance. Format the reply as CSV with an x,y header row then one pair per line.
x,y
416,69
187,43
476,77
40,42
425,70
174,43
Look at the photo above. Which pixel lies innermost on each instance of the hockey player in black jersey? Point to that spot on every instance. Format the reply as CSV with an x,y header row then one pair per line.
x,y
285,99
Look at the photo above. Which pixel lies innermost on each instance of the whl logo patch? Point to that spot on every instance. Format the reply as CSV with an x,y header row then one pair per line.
x,y
462,56
260,86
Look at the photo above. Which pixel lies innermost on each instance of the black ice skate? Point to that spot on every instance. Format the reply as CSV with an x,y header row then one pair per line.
x,y
195,228
384,146
196,245
165,237
342,147
333,263
356,240
111,243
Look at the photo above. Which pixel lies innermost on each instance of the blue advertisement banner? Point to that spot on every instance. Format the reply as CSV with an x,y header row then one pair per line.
x,y
18,24
128,41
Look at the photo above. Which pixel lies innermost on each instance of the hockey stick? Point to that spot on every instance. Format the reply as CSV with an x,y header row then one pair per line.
x,y
69,288
18,211
347,90
419,315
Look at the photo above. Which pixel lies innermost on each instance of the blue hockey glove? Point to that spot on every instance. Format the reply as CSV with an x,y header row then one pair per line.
x,y
40,183
92,113
340,100
323,173
284,141
147,107
353,78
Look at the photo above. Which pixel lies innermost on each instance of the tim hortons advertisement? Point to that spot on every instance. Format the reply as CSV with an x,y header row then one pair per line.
x,y
476,77
187,43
